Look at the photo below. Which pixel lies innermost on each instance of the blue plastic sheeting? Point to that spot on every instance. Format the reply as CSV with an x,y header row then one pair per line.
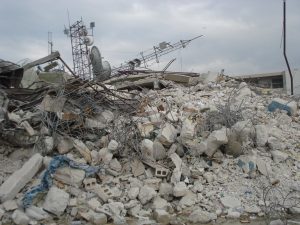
x,y
46,181
276,105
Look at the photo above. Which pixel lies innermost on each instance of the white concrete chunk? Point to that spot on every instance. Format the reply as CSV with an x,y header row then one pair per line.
x,y
167,134
230,202
20,218
11,187
180,189
56,201
261,135
215,140
146,194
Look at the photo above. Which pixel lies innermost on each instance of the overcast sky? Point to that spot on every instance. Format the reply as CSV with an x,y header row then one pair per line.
x,y
240,36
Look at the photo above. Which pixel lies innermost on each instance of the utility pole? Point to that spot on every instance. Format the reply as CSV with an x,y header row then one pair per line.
x,y
284,47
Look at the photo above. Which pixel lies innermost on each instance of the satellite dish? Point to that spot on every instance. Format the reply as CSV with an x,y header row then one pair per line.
x,y
101,70
88,40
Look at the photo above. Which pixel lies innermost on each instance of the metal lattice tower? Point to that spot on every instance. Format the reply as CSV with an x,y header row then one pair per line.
x,y
78,33
145,57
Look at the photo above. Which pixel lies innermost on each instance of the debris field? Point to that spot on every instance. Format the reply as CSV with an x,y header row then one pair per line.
x,y
151,148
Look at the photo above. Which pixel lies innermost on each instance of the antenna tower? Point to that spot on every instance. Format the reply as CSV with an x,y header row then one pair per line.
x,y
81,38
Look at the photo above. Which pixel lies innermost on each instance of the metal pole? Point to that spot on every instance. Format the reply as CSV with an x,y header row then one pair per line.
x,y
284,47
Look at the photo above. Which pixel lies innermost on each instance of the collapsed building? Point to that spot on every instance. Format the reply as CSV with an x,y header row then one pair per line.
x,y
144,147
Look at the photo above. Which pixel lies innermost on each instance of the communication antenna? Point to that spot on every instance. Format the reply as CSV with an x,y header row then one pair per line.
x,y
50,43
163,48
81,38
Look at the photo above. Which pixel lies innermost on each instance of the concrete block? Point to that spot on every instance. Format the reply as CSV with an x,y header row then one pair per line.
x,y
11,187
167,135
56,201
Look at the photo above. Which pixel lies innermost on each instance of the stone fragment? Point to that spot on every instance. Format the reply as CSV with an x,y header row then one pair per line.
x,y
93,203
165,189
133,192
198,187
1,213
146,194
115,165
276,222
230,202
113,146
275,143
253,209
279,156
233,214
11,187
188,200
176,175
261,135
20,218
56,201
159,152
244,131
263,167
83,150
145,129
67,175
155,118
180,189
94,123
64,145
10,205
48,143
147,149
137,167
105,156
36,213
161,216
172,116
215,140
99,219
187,130
160,203
107,116
167,134
209,177
199,216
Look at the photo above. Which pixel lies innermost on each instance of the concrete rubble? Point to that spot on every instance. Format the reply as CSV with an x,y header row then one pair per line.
x,y
190,148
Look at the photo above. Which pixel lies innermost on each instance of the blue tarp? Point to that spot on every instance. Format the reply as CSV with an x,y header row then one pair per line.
x,y
46,181
276,105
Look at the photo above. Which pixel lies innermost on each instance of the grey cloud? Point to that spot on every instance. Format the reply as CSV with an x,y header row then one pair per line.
x,y
239,36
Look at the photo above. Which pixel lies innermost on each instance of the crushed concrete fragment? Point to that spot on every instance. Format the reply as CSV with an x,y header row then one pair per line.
x,y
167,135
230,202
10,188
20,218
56,201
146,194
180,189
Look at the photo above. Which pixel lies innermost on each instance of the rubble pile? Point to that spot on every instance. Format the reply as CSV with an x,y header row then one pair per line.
x,y
180,152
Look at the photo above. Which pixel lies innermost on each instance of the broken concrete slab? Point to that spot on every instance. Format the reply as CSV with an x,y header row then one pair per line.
x,y
83,150
279,156
161,216
167,135
36,213
20,218
180,189
67,175
215,140
11,187
262,135
56,201
230,202
146,194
